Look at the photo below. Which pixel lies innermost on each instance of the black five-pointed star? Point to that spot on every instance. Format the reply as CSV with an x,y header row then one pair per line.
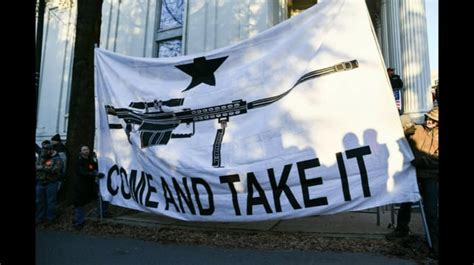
x,y
201,70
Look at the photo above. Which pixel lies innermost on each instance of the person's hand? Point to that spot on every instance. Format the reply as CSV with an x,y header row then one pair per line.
x,y
98,177
409,129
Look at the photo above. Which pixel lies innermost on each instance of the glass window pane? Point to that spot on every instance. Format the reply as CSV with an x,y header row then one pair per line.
x,y
171,14
169,48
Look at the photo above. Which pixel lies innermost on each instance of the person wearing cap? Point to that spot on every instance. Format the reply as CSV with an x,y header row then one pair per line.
x,y
48,171
395,80
60,148
397,85
57,144
423,141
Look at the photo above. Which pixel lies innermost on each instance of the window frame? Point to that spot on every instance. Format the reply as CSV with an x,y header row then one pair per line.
x,y
169,33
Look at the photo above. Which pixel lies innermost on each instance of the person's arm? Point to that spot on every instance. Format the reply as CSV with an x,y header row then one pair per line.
x,y
409,129
82,168
397,82
400,82
84,171
57,166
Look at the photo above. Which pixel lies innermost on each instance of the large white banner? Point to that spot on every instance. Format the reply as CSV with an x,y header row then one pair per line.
x,y
299,120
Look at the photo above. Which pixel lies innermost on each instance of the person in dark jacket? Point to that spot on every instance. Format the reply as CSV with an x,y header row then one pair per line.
x,y
48,168
397,86
84,184
58,144
395,80
424,144
62,152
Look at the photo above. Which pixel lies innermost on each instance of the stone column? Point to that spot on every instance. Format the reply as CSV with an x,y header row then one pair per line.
x,y
395,48
378,29
415,59
384,32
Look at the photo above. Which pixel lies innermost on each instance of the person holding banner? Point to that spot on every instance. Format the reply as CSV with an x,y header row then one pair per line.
x,y
84,184
424,143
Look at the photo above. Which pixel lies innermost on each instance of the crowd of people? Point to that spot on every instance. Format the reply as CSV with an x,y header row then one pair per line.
x,y
51,165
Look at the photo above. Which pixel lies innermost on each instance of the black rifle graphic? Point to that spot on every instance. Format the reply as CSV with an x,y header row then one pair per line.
x,y
156,126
